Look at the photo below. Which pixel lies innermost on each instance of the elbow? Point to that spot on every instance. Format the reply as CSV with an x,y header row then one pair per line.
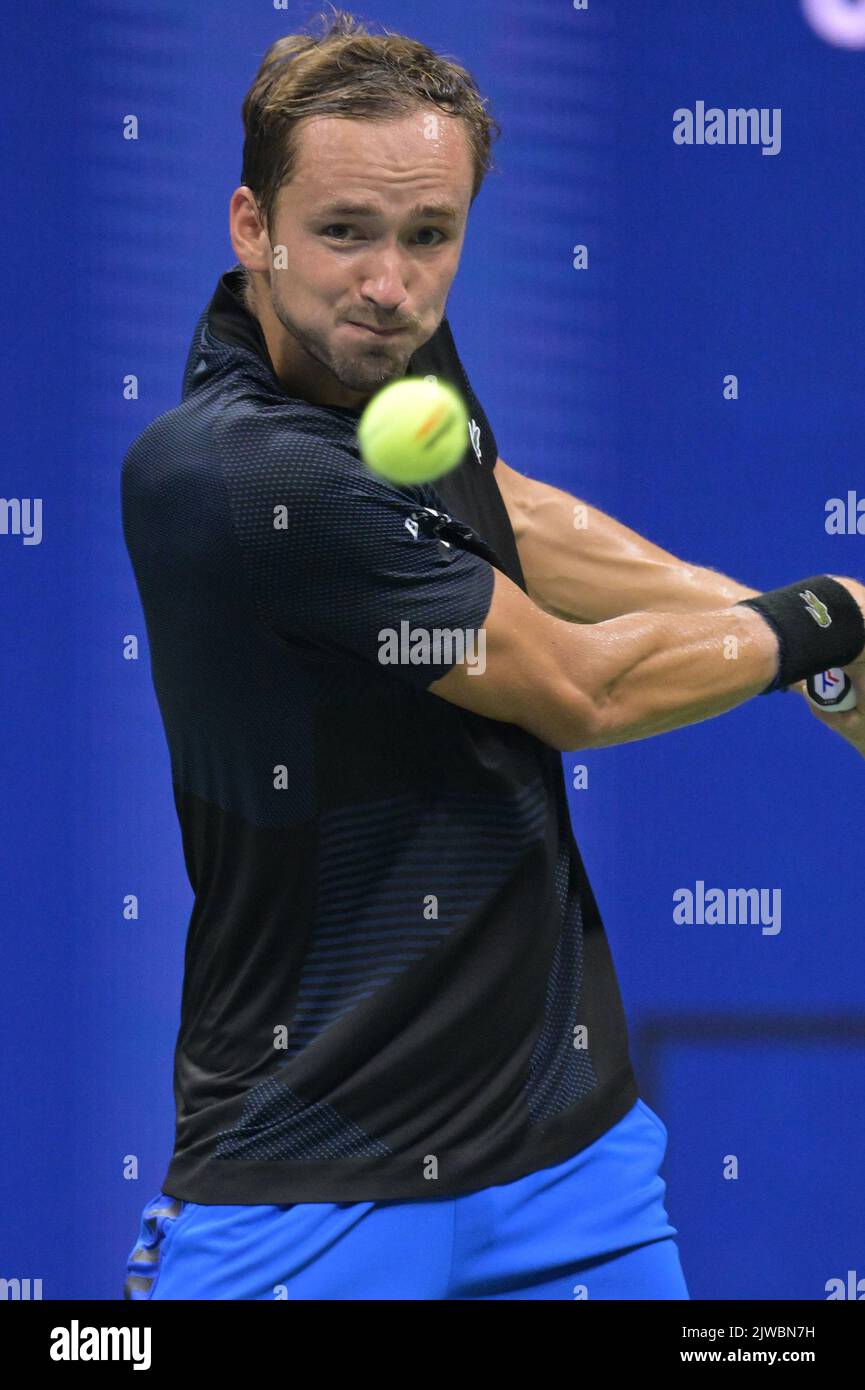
x,y
574,721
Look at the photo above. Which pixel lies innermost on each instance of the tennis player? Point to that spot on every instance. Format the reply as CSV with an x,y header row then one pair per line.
x,y
402,1067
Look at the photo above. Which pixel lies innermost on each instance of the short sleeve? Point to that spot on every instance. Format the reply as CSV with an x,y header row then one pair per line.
x,y
336,558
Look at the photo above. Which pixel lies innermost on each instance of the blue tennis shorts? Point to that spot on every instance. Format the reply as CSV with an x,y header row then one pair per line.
x,y
594,1226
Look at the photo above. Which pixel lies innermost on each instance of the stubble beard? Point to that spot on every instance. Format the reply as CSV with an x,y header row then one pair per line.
x,y
364,368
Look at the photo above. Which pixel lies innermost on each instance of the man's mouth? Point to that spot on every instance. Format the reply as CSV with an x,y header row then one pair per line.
x,y
379,332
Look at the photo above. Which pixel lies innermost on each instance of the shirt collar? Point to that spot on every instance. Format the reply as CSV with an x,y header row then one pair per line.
x,y
230,320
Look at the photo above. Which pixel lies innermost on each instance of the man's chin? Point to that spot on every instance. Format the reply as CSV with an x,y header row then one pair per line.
x,y
378,375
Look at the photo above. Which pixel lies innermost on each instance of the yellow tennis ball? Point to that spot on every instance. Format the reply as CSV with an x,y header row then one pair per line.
x,y
413,430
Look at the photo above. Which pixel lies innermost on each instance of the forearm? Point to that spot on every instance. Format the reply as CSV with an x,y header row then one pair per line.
x,y
583,566
654,672
603,569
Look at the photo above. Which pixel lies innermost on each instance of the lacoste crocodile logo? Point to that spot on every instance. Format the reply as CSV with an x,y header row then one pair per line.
x,y
816,607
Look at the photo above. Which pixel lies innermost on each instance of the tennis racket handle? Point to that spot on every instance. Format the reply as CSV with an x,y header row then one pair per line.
x,y
831,691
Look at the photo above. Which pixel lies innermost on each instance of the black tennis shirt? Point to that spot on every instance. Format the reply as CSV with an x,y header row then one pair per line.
x,y
397,983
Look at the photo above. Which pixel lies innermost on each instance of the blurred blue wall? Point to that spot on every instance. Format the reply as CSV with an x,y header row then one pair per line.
x,y
703,261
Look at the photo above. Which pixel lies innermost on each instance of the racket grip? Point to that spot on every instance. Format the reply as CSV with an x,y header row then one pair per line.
x,y
831,691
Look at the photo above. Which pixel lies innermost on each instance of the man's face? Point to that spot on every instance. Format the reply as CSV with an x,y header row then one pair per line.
x,y
372,225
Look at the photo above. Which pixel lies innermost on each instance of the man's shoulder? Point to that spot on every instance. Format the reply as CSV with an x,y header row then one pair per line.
x,y
285,442
241,423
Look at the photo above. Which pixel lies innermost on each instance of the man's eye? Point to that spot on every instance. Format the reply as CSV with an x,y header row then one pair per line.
x,y
344,227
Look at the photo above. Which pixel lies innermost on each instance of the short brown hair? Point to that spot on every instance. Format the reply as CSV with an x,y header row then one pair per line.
x,y
347,71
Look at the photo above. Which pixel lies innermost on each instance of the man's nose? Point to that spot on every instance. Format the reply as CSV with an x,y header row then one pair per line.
x,y
384,283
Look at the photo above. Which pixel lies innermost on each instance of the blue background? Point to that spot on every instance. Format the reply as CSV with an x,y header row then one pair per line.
x,y
608,382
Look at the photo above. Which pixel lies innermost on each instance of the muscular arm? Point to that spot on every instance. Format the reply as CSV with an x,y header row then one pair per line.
x,y
583,566
626,678
599,568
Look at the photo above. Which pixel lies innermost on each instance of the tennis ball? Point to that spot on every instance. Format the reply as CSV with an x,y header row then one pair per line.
x,y
413,430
